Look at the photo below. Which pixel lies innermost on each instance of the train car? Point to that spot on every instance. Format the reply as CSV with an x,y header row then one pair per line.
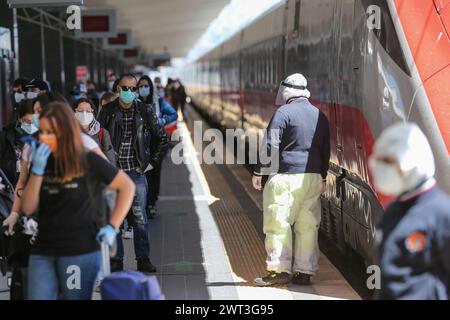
x,y
364,74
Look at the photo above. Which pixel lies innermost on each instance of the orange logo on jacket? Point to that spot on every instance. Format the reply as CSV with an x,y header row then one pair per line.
x,y
415,242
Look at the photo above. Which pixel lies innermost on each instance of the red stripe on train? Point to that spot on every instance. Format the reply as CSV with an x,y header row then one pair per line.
x,y
349,130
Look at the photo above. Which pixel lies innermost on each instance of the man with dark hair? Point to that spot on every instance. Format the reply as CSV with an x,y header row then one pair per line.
x,y
36,87
18,86
132,125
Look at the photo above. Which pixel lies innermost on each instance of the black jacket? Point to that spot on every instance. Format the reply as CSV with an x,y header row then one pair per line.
x,y
301,137
414,251
9,140
149,138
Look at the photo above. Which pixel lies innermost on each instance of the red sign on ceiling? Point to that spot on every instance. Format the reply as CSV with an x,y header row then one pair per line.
x,y
120,39
95,23
130,53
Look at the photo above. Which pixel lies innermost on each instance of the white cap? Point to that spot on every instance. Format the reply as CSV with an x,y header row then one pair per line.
x,y
293,87
407,144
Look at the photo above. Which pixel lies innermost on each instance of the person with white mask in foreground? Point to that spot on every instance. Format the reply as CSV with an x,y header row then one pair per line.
x,y
414,235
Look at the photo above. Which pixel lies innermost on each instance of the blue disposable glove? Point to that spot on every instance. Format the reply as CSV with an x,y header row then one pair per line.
x,y
40,158
107,234
28,140
161,122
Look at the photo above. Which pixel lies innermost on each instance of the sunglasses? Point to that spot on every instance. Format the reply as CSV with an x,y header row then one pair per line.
x,y
125,88
144,86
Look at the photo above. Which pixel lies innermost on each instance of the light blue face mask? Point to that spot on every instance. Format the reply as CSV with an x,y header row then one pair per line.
x,y
29,128
31,95
18,97
144,92
161,94
127,97
36,120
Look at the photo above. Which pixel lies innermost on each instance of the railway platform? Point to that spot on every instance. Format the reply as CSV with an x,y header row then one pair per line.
x,y
207,239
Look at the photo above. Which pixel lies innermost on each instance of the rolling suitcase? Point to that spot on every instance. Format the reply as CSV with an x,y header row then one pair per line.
x,y
127,285
14,256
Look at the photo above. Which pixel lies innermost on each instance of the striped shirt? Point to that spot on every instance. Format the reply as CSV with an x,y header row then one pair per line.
x,y
127,156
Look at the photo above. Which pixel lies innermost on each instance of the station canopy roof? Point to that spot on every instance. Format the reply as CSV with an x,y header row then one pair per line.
x,y
159,26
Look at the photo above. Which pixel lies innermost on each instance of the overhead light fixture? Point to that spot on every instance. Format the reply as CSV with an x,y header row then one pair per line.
x,y
43,3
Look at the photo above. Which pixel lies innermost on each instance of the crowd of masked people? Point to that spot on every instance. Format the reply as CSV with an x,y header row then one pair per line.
x,y
81,166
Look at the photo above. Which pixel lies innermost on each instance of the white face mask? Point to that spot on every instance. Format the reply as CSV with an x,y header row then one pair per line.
x,y
32,95
84,118
19,97
387,179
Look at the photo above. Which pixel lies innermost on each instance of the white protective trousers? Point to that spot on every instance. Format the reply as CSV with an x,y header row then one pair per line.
x,y
292,200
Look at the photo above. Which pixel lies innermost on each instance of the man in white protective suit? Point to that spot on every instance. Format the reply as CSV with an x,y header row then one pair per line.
x,y
298,142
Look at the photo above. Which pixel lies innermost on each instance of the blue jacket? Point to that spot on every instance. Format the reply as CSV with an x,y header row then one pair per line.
x,y
303,141
414,251
165,111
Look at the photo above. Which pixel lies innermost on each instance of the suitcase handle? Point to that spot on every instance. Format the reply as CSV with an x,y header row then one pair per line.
x,y
106,266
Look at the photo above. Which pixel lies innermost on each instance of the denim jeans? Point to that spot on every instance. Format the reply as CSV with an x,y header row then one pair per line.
x,y
69,278
154,182
138,219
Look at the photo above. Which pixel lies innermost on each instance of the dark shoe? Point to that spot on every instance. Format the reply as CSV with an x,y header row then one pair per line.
x,y
272,278
301,279
116,265
144,265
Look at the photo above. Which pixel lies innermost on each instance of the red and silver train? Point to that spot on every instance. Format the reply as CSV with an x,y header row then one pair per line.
x,y
364,74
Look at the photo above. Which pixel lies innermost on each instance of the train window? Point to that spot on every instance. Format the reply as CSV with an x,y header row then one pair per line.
x,y
387,34
297,17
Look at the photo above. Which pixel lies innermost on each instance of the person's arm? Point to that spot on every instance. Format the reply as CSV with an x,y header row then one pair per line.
x,y
169,113
31,193
326,149
23,176
159,139
272,140
14,215
108,148
33,187
271,143
125,189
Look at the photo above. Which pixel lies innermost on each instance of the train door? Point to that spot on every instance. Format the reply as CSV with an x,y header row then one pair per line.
x,y
344,91
358,203
6,69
